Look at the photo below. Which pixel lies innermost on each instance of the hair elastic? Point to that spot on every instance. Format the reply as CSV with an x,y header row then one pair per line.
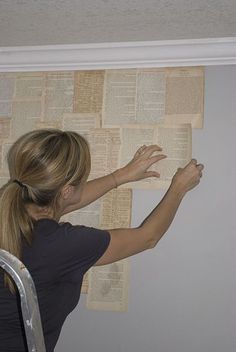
x,y
19,183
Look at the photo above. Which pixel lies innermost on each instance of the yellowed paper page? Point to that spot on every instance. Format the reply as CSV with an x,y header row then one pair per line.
x,y
6,93
5,124
185,96
81,123
116,209
29,85
59,92
85,283
119,97
4,165
109,284
88,216
88,91
175,141
134,96
108,287
105,148
25,115
150,96
132,138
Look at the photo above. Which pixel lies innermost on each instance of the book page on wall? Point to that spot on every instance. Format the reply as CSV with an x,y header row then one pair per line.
x,y
151,96
81,123
58,95
88,91
185,96
133,96
109,284
175,141
105,150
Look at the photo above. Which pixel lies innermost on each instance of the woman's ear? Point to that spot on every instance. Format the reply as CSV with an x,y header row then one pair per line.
x,y
67,191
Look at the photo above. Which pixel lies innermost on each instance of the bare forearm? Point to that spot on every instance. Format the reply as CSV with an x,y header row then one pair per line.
x,y
96,188
158,222
127,242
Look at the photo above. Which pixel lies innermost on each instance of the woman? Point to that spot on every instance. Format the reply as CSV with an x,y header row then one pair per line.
x,y
48,178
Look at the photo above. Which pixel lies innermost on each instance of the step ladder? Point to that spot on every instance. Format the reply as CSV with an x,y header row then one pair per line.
x,y
29,302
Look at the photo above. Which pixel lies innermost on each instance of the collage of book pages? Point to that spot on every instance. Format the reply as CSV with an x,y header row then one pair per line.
x,y
117,111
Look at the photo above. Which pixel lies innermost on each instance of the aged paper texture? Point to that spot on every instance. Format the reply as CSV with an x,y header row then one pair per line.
x,y
109,284
108,287
29,85
185,96
6,93
88,91
81,123
5,124
176,142
133,96
105,148
59,92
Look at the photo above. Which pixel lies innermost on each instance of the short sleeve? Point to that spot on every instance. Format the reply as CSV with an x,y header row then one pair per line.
x,y
78,248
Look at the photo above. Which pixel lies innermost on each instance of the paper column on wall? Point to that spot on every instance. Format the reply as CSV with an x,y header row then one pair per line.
x,y
88,91
88,216
4,166
176,142
108,287
27,103
6,94
5,125
80,123
116,209
132,137
59,92
185,96
109,284
150,96
133,96
105,148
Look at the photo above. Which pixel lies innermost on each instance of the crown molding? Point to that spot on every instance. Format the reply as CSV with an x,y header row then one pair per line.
x,y
195,52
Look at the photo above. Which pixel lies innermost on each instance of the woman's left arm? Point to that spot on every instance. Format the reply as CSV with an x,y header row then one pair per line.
x,y
136,169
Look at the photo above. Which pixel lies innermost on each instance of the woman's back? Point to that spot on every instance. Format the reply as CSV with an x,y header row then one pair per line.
x,y
57,260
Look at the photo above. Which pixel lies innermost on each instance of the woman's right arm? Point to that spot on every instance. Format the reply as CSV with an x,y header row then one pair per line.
x,y
130,241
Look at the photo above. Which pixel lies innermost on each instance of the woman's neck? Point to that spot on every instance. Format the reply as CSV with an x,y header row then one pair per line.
x,y
37,212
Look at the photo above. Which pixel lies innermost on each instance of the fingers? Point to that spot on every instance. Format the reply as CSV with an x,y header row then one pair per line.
x,y
193,162
140,150
151,174
147,151
154,159
197,167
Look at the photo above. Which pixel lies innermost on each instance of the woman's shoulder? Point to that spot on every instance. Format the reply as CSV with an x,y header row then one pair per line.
x,y
51,229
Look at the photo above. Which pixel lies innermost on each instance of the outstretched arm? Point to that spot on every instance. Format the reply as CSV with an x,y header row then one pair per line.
x,y
135,170
127,242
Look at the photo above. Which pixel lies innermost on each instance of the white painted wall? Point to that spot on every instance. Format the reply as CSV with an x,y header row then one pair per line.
x,y
183,293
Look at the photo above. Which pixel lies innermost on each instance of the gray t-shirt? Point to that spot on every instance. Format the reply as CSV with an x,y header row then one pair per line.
x,y
57,259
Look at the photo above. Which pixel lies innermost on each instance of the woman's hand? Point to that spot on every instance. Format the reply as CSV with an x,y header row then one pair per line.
x,y
188,177
137,168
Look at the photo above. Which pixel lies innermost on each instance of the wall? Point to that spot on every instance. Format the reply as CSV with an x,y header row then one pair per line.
x,y
182,296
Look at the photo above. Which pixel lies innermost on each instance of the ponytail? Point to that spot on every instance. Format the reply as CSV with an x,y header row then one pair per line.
x,y
14,223
40,163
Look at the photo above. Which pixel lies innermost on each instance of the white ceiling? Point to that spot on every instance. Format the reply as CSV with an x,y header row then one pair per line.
x,y
46,22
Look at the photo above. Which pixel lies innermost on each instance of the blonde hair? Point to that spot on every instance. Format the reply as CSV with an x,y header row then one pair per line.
x,y
42,162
